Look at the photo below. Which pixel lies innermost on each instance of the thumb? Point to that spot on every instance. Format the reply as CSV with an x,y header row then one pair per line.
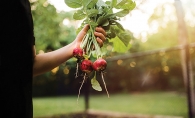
x,y
83,32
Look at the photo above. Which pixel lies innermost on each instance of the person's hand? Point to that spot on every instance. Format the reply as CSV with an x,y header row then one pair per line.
x,y
99,33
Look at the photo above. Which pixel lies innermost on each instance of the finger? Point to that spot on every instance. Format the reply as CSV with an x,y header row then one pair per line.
x,y
100,42
100,29
100,35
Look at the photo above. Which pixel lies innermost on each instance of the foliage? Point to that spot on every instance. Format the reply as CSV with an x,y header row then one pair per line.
x,y
148,73
56,83
49,31
162,71
50,34
166,34
166,37
100,13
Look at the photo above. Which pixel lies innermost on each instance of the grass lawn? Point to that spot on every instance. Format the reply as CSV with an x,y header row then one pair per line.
x,y
159,103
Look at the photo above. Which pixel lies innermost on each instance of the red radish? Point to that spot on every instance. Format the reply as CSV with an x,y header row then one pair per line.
x,y
100,65
86,67
78,53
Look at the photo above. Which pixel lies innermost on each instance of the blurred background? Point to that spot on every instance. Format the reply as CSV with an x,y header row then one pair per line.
x,y
147,79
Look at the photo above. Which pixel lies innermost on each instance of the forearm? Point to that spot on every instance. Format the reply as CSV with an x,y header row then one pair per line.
x,y
47,61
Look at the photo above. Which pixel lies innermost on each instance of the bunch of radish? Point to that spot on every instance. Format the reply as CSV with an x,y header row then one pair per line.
x,y
106,14
87,66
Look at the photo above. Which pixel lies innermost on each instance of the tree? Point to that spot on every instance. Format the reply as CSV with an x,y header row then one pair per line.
x,y
49,30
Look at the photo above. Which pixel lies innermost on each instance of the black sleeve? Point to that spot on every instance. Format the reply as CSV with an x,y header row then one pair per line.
x,y
16,22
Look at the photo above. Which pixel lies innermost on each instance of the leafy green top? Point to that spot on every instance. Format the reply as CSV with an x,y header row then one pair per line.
x,y
100,13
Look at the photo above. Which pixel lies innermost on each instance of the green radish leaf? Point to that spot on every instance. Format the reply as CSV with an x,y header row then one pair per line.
x,y
108,3
106,27
111,35
92,12
95,84
93,24
121,2
114,29
79,15
122,13
104,10
89,3
101,3
113,3
94,54
110,16
73,3
106,23
119,26
102,19
118,45
125,4
125,37
101,10
103,51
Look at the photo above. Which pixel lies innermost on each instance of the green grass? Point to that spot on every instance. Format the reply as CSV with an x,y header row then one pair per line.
x,y
163,103
57,105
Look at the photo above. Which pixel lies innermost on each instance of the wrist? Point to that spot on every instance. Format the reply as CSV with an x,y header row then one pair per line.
x,y
71,47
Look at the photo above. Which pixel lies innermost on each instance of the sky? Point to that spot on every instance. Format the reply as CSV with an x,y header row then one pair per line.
x,y
136,22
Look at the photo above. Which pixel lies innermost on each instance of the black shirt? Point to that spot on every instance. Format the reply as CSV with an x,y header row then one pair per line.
x,y
16,59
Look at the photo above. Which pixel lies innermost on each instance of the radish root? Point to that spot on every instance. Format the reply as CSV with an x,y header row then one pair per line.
x,y
77,70
104,83
81,86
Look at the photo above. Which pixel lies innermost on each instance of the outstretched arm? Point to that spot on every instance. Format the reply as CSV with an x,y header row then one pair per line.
x,y
47,61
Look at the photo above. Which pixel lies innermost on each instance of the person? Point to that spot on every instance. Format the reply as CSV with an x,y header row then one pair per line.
x,y
19,61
